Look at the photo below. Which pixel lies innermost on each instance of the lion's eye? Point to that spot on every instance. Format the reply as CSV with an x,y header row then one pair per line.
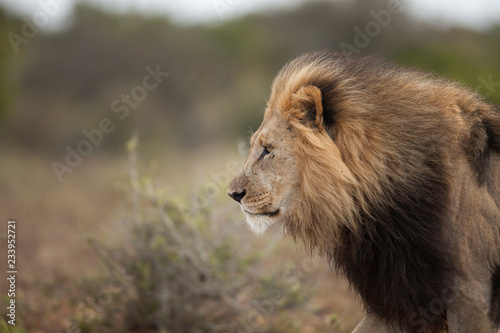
x,y
267,150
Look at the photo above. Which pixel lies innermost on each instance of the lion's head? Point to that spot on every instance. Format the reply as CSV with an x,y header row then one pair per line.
x,y
288,176
337,146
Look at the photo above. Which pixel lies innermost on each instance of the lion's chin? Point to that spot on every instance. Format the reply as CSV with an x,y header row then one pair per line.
x,y
258,224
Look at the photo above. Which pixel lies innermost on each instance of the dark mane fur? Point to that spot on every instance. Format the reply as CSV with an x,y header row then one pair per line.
x,y
399,264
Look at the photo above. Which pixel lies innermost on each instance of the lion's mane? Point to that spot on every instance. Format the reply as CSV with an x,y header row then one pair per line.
x,y
379,210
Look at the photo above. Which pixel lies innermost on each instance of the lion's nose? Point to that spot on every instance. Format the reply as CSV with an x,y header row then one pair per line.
x,y
237,196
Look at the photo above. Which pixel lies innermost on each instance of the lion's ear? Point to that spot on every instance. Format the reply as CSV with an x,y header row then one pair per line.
x,y
307,106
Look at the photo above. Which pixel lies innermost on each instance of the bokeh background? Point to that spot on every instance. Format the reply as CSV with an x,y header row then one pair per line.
x,y
136,233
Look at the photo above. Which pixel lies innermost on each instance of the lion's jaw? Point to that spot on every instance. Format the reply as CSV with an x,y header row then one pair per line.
x,y
258,224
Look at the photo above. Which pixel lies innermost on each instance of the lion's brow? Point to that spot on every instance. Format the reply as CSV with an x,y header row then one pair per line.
x,y
254,137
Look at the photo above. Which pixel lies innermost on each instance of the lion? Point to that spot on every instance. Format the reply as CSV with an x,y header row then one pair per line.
x,y
393,176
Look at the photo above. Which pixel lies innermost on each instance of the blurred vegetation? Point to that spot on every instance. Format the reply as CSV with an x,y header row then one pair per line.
x,y
59,84
174,269
7,328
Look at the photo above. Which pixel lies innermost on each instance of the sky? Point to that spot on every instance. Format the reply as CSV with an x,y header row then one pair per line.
x,y
477,14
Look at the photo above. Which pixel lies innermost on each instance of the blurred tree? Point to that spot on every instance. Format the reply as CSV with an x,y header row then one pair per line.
x,y
7,83
219,74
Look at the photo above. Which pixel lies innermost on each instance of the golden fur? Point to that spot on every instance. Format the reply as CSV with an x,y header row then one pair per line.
x,y
381,170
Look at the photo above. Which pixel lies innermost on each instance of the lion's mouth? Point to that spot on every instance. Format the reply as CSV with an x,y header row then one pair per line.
x,y
268,214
